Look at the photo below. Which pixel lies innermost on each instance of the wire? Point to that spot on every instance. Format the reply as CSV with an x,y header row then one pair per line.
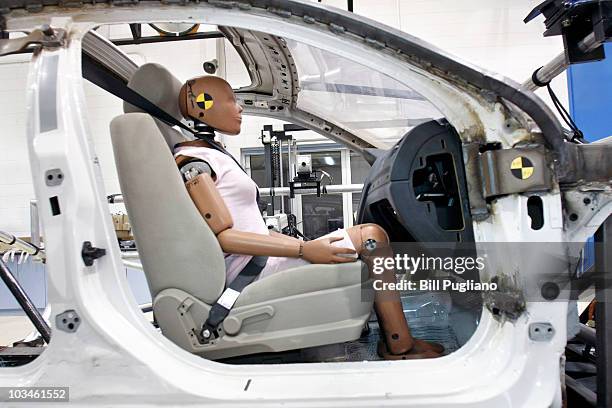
x,y
578,135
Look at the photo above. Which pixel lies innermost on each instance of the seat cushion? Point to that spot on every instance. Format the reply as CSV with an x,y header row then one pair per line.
x,y
304,279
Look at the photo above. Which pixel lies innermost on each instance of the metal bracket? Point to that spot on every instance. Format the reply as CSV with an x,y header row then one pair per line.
x,y
45,37
473,178
589,163
68,321
541,331
518,170
91,253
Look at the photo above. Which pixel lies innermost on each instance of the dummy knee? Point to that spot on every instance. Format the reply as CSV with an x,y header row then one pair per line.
x,y
368,237
374,232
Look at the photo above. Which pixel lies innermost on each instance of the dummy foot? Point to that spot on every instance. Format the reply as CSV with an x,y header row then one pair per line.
x,y
421,349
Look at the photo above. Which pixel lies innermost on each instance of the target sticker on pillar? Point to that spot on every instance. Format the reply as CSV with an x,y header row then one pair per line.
x,y
205,101
521,168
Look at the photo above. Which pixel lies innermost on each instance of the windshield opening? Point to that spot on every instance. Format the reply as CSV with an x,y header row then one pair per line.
x,y
360,99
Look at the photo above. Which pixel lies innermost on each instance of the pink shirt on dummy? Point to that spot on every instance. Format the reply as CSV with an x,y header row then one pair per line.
x,y
240,195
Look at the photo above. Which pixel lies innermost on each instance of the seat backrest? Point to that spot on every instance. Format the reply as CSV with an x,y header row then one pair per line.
x,y
159,86
177,248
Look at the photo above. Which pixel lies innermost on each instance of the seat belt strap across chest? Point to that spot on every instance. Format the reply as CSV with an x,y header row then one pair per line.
x,y
213,145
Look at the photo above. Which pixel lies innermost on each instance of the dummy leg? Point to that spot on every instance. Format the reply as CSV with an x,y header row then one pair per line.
x,y
398,342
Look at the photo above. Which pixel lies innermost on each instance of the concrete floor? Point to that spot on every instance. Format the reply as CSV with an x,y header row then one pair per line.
x,y
14,328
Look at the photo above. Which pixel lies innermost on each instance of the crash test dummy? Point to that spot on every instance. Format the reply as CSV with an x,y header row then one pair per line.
x,y
227,198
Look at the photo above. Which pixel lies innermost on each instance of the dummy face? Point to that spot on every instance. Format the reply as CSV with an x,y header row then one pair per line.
x,y
211,100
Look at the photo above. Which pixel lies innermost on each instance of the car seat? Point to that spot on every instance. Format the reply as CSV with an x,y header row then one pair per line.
x,y
184,265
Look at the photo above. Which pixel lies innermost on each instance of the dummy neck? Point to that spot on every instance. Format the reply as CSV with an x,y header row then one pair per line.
x,y
204,136
203,131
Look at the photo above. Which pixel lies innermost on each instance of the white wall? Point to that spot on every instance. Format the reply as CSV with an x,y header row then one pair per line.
x,y
488,33
15,181
184,58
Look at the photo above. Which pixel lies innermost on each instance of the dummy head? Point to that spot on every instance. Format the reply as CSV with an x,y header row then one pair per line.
x,y
211,100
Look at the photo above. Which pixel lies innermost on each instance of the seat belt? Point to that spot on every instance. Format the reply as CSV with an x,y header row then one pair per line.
x,y
94,73
209,139
226,301
115,85
213,145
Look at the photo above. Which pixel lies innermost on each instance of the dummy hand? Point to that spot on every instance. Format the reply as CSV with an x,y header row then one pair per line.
x,y
321,251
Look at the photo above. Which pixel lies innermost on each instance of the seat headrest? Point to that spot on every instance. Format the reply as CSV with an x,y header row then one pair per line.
x,y
159,86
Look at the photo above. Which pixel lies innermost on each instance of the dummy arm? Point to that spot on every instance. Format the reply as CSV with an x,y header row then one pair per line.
x,y
279,235
210,204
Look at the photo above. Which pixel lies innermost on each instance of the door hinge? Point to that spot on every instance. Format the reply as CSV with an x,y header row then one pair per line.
x,y
44,36
517,170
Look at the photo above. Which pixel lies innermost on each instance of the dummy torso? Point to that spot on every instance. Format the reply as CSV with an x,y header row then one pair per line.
x,y
239,193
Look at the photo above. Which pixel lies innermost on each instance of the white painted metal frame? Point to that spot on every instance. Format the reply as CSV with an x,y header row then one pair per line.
x,y
116,357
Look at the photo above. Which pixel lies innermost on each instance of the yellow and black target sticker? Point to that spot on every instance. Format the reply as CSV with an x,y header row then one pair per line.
x,y
521,168
205,101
